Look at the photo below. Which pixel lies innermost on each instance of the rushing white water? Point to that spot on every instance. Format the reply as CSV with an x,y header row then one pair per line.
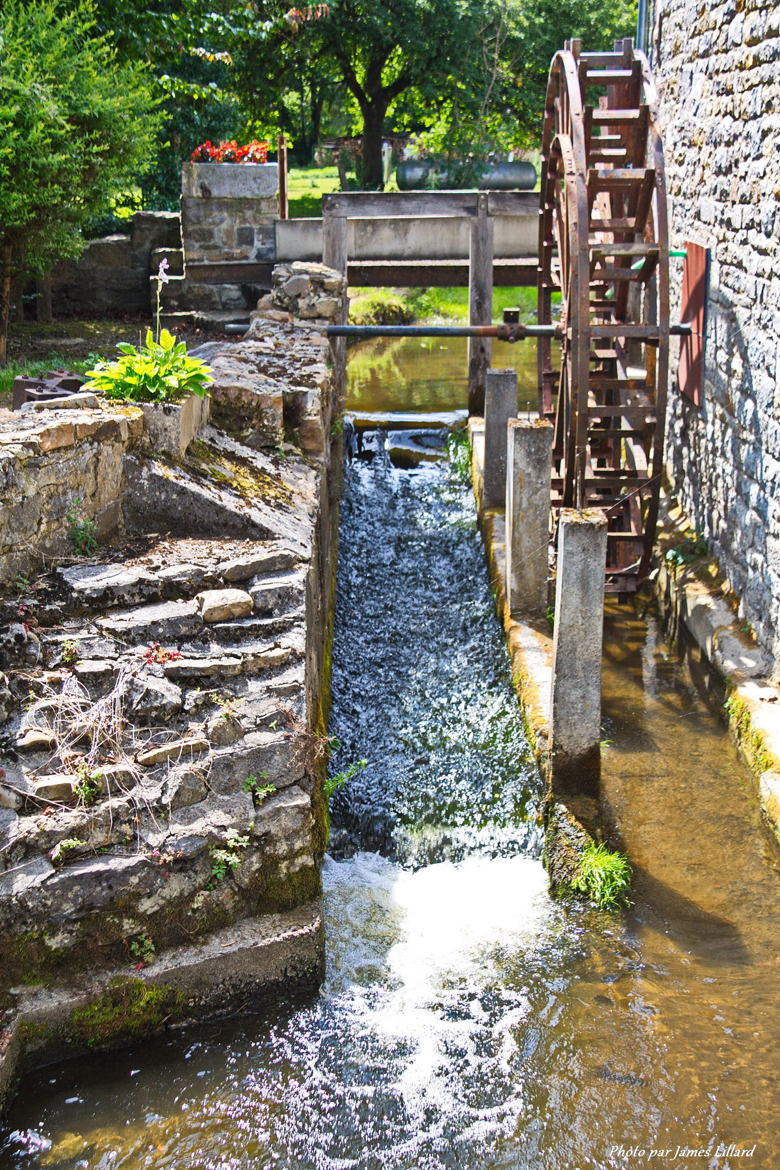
x,y
433,939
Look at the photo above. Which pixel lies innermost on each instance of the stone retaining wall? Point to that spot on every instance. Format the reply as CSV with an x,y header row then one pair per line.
x,y
111,277
162,817
718,70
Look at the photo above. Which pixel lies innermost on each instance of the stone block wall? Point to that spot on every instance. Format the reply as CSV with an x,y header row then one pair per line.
x,y
717,65
228,211
112,274
55,463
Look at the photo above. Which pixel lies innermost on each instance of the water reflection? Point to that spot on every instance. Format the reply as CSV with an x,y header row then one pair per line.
x,y
394,374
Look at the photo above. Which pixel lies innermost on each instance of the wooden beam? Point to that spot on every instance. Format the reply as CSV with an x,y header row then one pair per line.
x,y
367,204
480,302
437,273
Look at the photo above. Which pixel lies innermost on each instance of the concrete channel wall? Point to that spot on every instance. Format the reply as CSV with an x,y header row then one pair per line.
x,y
408,238
162,698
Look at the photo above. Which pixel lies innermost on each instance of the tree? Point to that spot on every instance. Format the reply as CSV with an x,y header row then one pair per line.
x,y
542,27
384,48
76,130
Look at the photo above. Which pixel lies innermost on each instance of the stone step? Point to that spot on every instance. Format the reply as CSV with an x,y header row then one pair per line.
x,y
182,293
231,661
115,585
249,628
279,593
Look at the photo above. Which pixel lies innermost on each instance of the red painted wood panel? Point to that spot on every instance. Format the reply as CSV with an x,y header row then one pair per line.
x,y
694,310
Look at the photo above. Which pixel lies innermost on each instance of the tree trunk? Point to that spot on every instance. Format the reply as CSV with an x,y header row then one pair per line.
x,y
372,177
5,298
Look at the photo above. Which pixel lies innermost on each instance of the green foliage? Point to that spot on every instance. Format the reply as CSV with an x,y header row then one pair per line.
x,y
225,860
549,613
688,550
87,786
82,530
160,371
76,129
333,783
459,455
603,876
142,948
69,652
258,790
380,307
59,854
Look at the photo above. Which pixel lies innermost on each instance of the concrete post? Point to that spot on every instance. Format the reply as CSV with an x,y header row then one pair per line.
x,y
334,255
480,301
334,242
575,720
500,407
529,468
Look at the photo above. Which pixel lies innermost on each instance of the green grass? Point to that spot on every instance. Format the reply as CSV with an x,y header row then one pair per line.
x,y
305,188
432,304
603,876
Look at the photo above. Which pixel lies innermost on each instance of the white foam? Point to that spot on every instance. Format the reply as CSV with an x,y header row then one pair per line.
x,y
428,943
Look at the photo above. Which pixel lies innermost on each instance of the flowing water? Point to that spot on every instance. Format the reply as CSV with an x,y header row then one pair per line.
x,y
467,1022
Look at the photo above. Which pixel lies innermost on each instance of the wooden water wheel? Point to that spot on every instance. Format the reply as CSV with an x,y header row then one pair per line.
x,y
603,245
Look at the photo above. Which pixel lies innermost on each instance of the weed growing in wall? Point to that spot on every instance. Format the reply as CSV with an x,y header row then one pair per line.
x,y
82,530
333,783
226,859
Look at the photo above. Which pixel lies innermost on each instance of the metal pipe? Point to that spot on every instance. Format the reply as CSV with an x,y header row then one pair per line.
x,y
504,332
514,332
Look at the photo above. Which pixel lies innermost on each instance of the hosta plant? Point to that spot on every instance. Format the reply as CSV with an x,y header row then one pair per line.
x,y
159,371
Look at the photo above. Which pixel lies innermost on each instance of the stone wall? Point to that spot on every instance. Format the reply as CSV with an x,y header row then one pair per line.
x,y
717,65
228,211
111,277
162,815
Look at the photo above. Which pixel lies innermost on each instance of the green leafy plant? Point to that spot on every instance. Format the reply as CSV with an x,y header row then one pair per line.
x,y
142,948
226,859
549,613
333,783
69,652
688,550
59,854
603,876
459,455
82,530
87,786
258,790
160,371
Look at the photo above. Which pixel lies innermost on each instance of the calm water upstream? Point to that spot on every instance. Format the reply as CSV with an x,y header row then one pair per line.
x,y
467,1022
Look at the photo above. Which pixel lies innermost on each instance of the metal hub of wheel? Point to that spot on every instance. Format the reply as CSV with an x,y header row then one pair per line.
x,y
603,245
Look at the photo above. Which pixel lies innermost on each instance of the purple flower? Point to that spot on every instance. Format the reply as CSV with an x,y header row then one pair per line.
x,y
162,271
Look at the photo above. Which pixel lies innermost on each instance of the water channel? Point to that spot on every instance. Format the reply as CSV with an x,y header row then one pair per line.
x,y
467,1021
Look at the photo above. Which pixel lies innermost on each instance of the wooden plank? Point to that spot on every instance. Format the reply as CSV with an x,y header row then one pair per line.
x,y
595,76
635,249
610,117
618,329
367,204
480,303
438,273
693,309
334,242
230,272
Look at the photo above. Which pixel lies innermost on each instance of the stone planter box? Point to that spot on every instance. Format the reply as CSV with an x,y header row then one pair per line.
x,y
229,180
228,211
171,428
